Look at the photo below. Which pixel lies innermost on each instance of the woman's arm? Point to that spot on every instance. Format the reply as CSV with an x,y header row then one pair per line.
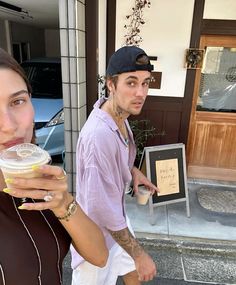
x,y
86,236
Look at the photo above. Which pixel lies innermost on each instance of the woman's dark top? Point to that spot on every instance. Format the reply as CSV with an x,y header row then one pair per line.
x,y
33,245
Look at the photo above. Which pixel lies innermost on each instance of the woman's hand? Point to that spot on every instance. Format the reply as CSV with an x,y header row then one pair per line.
x,y
140,179
51,188
86,236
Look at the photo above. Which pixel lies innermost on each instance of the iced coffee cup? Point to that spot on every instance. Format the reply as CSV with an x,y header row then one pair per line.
x,y
17,161
142,195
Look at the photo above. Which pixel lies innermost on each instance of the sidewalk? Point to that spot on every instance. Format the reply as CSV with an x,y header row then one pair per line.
x,y
171,220
201,248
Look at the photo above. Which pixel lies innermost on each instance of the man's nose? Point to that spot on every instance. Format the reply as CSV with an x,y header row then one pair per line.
x,y
141,91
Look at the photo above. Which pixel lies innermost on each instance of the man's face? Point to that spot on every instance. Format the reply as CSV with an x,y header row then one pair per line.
x,y
131,91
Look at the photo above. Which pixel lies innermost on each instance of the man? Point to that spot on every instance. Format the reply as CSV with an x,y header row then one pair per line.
x,y
105,157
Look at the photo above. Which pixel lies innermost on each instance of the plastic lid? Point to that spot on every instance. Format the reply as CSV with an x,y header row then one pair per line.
x,y
23,156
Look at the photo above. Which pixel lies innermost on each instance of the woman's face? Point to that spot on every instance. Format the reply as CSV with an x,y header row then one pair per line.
x,y
16,110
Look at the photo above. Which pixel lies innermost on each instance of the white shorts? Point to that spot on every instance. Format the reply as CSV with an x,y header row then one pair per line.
x,y
119,263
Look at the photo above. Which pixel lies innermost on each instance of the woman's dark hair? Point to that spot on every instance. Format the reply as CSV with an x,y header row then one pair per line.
x,y
7,61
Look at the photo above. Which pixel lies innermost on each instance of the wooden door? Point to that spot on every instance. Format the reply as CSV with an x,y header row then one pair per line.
x,y
211,148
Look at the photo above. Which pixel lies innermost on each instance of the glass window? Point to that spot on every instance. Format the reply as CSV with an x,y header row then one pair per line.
x,y
21,51
217,90
45,80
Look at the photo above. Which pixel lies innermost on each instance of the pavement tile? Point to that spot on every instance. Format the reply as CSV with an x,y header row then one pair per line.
x,y
202,268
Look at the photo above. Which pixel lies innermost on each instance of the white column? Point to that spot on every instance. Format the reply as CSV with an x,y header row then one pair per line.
x,y
8,36
72,39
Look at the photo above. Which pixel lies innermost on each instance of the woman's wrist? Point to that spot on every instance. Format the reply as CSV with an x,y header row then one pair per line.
x,y
61,211
71,210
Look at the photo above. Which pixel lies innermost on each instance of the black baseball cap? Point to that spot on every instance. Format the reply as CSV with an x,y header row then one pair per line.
x,y
126,59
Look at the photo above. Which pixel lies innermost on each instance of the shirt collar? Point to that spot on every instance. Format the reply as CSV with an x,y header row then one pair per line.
x,y
104,115
108,119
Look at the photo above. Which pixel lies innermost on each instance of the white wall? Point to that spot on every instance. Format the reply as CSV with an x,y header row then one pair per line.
x,y
52,43
220,9
102,37
101,54
165,34
30,34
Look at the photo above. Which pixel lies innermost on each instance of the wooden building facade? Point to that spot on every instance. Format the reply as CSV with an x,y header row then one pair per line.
x,y
209,136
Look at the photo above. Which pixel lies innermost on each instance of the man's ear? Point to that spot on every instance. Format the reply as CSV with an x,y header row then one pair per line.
x,y
110,85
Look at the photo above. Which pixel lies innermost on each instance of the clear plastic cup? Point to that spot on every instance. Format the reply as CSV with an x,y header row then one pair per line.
x,y
17,161
142,195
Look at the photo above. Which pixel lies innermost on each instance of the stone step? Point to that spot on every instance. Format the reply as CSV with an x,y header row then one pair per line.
x,y
206,261
183,260
162,281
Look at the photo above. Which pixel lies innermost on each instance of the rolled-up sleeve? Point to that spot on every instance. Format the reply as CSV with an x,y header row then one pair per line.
x,y
103,200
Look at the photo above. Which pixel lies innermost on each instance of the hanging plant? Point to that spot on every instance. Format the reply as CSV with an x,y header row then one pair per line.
x,y
136,20
101,79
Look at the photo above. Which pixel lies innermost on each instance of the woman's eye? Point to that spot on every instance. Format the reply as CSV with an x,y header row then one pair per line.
x,y
18,102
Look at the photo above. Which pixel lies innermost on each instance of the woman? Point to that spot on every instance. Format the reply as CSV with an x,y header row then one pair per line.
x,y
35,235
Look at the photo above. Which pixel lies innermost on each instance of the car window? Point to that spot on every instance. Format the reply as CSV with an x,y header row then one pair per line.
x,y
45,80
27,70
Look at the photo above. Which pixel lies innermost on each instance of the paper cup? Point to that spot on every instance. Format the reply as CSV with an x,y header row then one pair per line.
x,y
142,195
17,161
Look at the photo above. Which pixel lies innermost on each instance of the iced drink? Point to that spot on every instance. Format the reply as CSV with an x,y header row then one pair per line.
x,y
17,161
142,195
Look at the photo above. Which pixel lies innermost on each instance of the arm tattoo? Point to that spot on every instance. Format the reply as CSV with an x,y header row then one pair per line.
x,y
126,240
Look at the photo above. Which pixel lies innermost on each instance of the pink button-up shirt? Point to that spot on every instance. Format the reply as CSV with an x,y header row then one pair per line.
x,y
104,161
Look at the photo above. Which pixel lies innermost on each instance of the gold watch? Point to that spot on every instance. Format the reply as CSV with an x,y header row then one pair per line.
x,y
71,210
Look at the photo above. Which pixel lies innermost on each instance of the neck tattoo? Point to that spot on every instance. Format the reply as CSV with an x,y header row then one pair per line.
x,y
116,113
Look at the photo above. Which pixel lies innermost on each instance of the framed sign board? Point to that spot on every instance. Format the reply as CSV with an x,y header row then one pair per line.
x,y
165,166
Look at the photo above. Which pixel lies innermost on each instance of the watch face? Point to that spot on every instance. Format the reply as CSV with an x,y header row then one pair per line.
x,y
73,207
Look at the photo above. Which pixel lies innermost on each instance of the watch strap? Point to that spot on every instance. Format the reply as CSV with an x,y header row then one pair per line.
x,y
71,210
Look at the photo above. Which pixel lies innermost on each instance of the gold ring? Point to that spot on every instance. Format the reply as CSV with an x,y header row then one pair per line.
x,y
61,177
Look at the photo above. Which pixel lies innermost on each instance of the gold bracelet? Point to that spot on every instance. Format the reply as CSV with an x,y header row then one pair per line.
x,y
72,208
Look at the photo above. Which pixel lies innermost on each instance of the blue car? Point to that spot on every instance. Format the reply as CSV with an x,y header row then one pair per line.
x,y
45,78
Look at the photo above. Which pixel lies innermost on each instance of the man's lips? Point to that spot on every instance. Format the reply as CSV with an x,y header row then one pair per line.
x,y
138,104
13,142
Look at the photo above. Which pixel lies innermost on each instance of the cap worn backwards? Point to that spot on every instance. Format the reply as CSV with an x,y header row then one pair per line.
x,y
126,59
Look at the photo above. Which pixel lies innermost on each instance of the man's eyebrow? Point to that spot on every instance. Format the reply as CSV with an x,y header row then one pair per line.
x,y
135,77
19,93
132,77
